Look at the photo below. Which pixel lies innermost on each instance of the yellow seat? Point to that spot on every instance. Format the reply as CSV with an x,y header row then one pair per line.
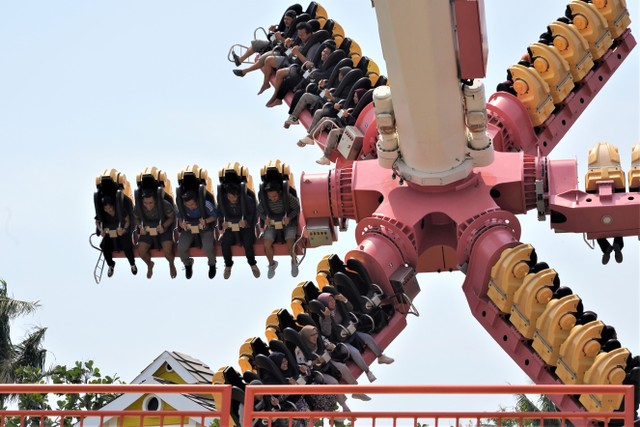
x,y
272,326
199,174
553,327
530,300
593,27
616,14
323,265
321,12
573,47
553,68
246,356
117,179
604,164
337,33
533,92
298,299
373,72
355,52
607,368
280,168
579,351
634,171
157,175
236,169
507,275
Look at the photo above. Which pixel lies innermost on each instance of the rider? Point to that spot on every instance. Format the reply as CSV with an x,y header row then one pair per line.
x,y
109,228
195,223
152,224
273,212
238,225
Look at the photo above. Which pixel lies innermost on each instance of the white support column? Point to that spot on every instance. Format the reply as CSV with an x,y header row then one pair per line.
x,y
419,48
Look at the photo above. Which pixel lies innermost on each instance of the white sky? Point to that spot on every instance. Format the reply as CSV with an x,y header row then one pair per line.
x,y
86,86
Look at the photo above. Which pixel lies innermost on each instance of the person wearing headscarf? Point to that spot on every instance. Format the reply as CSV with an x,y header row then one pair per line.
x,y
332,315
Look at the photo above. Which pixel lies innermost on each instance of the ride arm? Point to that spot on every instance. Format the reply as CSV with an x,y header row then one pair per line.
x,y
603,213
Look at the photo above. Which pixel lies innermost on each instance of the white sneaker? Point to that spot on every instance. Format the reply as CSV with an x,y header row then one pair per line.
x,y
371,377
255,270
292,120
307,140
323,161
294,268
272,270
386,360
227,272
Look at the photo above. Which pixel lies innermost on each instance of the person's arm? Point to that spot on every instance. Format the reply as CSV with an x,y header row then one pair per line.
x,y
170,215
294,206
261,212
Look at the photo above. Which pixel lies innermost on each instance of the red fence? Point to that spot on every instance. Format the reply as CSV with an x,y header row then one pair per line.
x,y
379,417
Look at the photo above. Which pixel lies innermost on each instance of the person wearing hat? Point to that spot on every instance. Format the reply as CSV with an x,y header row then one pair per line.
x,y
273,212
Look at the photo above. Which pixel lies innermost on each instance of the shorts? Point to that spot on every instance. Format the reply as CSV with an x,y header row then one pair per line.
x,y
260,46
289,231
149,240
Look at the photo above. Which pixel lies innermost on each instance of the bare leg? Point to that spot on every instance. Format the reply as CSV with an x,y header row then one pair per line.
x,y
167,249
145,255
247,54
269,67
268,251
281,74
290,249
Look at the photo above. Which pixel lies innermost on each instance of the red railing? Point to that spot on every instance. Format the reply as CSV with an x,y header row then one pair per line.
x,y
379,417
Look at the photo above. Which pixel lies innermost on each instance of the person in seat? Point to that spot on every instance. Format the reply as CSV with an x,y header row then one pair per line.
x,y
331,316
152,225
303,59
238,226
274,213
109,228
275,58
196,223
264,47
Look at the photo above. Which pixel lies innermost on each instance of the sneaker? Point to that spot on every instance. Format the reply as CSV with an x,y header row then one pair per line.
x,y
134,269
238,72
294,268
323,161
307,140
371,377
292,120
363,397
212,271
110,271
255,270
188,271
236,59
385,360
227,273
606,255
617,253
272,270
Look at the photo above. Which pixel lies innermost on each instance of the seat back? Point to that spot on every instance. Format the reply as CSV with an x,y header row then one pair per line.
x,y
361,83
343,88
333,79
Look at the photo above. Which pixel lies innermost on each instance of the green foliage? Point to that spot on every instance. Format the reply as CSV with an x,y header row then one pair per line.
x,y
28,353
525,404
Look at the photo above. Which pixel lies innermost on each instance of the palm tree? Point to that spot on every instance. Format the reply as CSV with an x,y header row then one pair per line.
x,y
29,352
525,404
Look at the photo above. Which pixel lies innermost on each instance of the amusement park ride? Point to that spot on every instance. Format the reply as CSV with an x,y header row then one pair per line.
x,y
436,186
